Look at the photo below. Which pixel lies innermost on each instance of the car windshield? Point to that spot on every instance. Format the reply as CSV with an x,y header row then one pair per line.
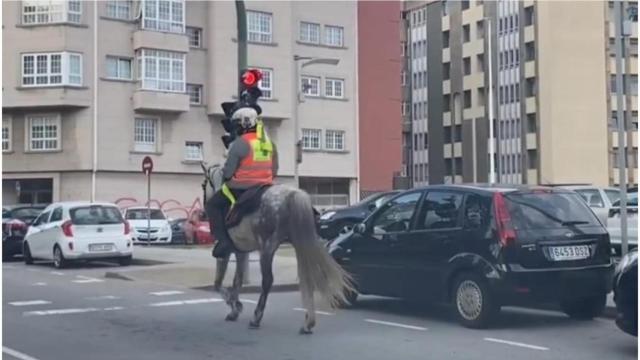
x,y
545,210
368,199
383,199
141,214
25,213
632,200
95,215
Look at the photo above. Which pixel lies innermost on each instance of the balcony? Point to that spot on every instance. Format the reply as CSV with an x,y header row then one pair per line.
x,y
406,127
46,97
160,40
155,101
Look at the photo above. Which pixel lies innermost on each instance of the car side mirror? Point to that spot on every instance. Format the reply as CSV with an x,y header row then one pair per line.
x,y
360,228
614,211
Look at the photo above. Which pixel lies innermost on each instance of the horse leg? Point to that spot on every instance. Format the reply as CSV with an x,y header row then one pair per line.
x,y
221,270
266,262
307,301
232,296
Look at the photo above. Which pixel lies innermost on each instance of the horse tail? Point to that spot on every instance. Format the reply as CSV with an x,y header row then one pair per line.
x,y
317,270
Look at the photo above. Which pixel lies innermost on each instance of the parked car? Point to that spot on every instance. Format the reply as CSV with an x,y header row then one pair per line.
x,y
625,293
197,229
480,248
332,222
15,222
614,227
177,230
599,199
70,231
159,230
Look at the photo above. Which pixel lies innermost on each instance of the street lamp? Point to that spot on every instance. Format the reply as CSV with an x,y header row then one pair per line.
x,y
299,63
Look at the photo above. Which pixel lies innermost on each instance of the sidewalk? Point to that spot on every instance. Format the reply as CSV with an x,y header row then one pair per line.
x,y
194,267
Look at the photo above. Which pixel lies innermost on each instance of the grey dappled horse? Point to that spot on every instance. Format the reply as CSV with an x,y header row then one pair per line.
x,y
285,214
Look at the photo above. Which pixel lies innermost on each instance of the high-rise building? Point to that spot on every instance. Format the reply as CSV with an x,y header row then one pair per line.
x,y
549,65
91,88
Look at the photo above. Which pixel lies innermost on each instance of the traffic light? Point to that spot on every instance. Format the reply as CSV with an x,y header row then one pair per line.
x,y
251,77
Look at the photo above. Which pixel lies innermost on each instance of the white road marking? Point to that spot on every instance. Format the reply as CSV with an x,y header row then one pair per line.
x,y
167,293
187,302
57,273
104,297
39,284
17,354
86,279
59,311
30,303
513,343
249,301
411,327
317,311
113,308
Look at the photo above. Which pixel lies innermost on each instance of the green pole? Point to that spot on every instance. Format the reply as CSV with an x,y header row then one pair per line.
x,y
242,40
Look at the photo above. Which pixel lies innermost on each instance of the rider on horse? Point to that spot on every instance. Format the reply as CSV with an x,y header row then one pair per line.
x,y
252,160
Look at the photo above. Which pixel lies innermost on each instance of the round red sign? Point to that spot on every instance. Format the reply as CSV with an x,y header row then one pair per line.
x,y
147,165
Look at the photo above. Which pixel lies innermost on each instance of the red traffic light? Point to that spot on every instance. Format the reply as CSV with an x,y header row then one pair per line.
x,y
251,77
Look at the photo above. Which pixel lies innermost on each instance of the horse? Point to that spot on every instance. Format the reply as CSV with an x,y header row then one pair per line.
x,y
285,214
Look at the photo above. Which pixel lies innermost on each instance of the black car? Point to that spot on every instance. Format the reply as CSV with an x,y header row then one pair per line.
x,y
177,231
332,222
15,222
480,248
625,293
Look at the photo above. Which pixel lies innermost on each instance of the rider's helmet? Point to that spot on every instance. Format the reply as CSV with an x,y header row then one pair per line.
x,y
246,117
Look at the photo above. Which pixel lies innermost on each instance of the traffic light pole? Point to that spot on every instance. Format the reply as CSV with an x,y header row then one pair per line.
x,y
242,40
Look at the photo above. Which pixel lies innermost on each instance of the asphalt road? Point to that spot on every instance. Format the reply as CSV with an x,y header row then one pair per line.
x,y
78,314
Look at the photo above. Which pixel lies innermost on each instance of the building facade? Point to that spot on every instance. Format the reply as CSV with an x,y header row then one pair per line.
x,y
91,88
551,98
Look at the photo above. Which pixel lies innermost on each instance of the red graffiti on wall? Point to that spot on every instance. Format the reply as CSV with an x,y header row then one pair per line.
x,y
169,206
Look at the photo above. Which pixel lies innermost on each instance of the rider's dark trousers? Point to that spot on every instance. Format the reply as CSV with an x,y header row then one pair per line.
x,y
217,208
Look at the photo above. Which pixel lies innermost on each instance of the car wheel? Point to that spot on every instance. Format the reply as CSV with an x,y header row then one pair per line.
x,y
58,258
26,254
585,308
125,261
474,302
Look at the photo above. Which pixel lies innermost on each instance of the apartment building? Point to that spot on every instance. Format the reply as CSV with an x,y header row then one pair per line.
x,y
91,88
548,64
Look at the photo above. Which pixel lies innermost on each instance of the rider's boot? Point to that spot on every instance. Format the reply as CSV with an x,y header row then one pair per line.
x,y
223,247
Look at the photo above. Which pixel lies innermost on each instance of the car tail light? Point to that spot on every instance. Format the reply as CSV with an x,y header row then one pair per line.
x,y
66,229
506,233
16,226
127,228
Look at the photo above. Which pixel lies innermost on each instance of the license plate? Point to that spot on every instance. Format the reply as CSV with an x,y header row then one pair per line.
x,y
100,247
563,253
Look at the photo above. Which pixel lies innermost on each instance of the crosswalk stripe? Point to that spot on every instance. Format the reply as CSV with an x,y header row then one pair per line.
x,y
29,302
167,293
187,302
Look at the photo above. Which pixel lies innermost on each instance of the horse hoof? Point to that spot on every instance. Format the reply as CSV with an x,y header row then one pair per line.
x,y
304,331
254,325
231,317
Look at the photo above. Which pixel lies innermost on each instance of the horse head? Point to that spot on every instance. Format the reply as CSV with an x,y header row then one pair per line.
x,y
213,176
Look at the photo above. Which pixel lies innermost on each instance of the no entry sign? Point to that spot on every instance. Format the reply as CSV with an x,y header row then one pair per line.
x,y
147,165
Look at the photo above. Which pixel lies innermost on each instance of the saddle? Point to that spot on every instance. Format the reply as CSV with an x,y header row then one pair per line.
x,y
246,204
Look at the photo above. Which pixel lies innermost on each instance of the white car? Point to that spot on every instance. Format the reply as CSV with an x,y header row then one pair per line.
x,y
159,230
69,231
600,200
613,223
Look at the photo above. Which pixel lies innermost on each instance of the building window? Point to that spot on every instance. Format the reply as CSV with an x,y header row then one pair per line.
x,y
50,69
465,4
309,32
467,99
446,103
161,70
480,29
531,87
310,85
403,48
163,15
445,39
266,83
51,11
195,36
118,68
6,135
532,156
311,139
119,9
480,62
44,132
446,71
145,134
195,94
259,26
481,98
334,140
466,64
193,151
334,35
531,123
466,33
529,15
334,88
445,8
